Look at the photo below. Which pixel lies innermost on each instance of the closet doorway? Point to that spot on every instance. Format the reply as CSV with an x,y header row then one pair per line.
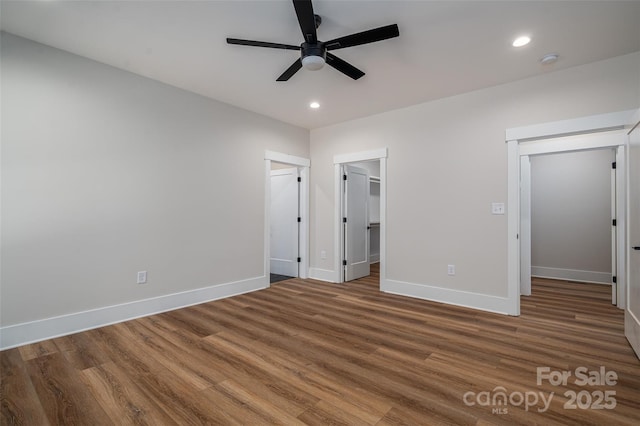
x,y
573,217
599,141
361,219
593,132
360,214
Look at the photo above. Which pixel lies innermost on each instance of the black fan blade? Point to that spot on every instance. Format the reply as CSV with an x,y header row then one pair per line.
x,y
262,44
369,36
290,71
343,66
307,20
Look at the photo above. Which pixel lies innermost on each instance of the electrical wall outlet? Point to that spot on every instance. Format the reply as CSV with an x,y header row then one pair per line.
x,y
142,277
451,269
323,254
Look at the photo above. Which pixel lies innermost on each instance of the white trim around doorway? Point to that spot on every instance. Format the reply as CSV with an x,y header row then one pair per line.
x,y
535,139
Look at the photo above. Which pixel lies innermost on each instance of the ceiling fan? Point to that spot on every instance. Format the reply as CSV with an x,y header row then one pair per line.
x,y
315,53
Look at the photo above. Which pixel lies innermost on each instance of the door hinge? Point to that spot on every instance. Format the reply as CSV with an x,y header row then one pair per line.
x,y
299,259
344,263
299,179
614,279
344,220
344,177
613,165
299,219
614,222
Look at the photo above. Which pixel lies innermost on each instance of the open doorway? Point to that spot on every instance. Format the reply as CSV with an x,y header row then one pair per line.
x,y
573,218
361,218
360,215
286,240
612,141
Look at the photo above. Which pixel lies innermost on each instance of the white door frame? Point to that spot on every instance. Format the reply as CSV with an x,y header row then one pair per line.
x,y
338,235
303,165
535,139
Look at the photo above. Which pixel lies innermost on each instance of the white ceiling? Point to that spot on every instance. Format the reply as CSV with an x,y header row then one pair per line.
x,y
445,47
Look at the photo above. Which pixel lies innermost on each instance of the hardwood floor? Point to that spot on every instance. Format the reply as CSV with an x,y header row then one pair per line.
x,y
305,352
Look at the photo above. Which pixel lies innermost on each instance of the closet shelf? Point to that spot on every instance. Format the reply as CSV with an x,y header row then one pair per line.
x,y
374,179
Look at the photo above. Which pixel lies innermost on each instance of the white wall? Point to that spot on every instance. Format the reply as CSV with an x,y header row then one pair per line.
x,y
571,215
447,163
105,173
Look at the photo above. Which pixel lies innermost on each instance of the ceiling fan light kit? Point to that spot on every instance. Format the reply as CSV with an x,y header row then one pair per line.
x,y
313,63
313,56
314,53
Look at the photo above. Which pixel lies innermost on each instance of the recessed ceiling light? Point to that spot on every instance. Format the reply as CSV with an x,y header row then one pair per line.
x,y
314,105
521,41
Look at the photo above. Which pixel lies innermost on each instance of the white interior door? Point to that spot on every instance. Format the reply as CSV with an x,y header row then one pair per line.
x,y
356,223
632,311
284,222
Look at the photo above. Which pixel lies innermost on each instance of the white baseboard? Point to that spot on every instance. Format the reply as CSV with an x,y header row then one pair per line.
x,y
466,299
322,275
571,275
48,328
374,258
632,331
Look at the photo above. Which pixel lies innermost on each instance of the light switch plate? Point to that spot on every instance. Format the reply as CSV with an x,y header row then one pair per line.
x,y
497,208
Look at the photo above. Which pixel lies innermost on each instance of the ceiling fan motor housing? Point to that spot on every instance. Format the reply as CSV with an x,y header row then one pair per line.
x,y
314,49
314,55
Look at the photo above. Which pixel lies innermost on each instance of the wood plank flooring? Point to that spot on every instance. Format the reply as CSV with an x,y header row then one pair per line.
x,y
305,352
